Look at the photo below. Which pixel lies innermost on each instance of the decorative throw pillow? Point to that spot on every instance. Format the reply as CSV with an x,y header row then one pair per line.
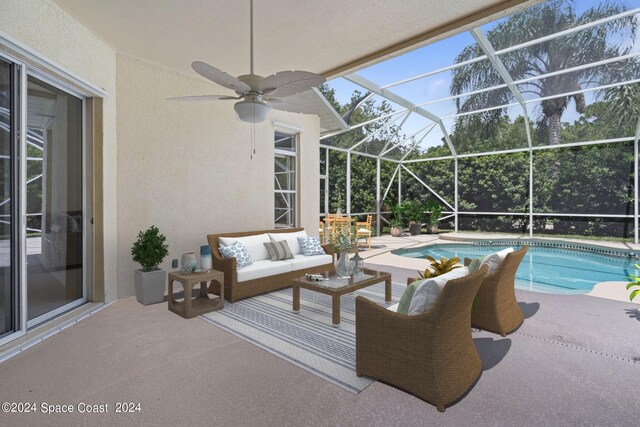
x,y
278,250
291,238
494,260
426,295
254,244
405,300
474,265
239,252
310,246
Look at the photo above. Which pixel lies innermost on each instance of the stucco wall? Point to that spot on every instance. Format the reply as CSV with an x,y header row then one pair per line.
x,y
187,167
45,28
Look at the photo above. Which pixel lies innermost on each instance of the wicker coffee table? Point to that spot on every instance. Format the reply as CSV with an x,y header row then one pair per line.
x,y
336,287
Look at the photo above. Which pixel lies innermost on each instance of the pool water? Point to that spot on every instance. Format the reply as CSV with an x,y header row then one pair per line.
x,y
543,269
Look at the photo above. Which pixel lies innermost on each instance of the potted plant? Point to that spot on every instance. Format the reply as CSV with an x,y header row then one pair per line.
x,y
414,212
635,282
396,223
435,212
149,250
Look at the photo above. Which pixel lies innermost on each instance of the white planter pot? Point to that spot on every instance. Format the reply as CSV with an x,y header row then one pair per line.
x,y
150,286
396,231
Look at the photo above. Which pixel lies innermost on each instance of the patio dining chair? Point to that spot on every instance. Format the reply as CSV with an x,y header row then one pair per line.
x,y
495,308
363,229
321,231
430,355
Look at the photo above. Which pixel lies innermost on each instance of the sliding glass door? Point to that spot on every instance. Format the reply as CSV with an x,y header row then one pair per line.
x,y
8,286
54,225
42,200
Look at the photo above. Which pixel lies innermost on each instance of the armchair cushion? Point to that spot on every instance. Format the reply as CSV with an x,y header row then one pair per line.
x,y
474,265
427,293
405,300
494,260
239,252
310,246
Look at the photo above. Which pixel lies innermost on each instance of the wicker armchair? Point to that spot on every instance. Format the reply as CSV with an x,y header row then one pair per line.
x,y
496,308
430,355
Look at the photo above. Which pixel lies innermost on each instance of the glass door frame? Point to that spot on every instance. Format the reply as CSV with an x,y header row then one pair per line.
x,y
20,190
18,107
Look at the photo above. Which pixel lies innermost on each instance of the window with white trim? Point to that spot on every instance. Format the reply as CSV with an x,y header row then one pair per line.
x,y
285,180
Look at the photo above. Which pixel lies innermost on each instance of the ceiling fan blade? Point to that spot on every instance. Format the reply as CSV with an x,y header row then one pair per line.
x,y
287,83
293,104
218,76
202,98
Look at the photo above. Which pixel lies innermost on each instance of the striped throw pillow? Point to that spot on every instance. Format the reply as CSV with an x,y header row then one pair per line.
x,y
278,250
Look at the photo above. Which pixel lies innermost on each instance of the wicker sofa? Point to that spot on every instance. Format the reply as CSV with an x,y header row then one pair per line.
x,y
264,275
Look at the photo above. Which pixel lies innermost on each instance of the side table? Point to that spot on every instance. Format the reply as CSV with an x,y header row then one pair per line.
x,y
192,307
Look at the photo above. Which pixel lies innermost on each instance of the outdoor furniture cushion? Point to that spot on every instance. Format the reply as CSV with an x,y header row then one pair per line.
x,y
393,307
291,238
427,293
278,250
405,300
474,265
310,246
239,252
300,262
263,268
254,244
494,260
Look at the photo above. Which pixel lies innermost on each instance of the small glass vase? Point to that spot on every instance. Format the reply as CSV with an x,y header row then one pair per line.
x,y
344,268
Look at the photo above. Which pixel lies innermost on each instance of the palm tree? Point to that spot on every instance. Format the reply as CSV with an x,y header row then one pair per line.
x,y
586,46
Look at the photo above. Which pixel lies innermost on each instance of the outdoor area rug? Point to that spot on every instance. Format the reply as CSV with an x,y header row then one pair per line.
x,y
306,339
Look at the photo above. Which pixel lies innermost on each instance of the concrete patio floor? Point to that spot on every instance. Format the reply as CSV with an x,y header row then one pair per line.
x,y
575,361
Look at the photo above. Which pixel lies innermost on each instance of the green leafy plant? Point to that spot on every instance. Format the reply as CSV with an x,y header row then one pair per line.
x,y
149,249
413,211
341,241
396,218
635,282
435,212
439,267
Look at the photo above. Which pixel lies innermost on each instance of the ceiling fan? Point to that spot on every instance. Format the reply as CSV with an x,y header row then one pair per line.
x,y
258,94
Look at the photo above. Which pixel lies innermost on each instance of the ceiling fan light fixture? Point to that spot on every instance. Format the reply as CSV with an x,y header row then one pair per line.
x,y
252,111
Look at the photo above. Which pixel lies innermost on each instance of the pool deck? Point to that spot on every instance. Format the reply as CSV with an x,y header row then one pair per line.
x,y
382,246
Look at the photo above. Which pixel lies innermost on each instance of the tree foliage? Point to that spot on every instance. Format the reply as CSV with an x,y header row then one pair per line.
x,y
586,46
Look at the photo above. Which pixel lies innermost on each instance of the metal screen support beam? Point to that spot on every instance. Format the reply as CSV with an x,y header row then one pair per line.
x,y
348,193
486,46
369,85
399,184
635,183
326,181
455,190
378,201
424,184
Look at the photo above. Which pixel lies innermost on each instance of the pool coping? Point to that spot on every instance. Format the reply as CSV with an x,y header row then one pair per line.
x,y
549,243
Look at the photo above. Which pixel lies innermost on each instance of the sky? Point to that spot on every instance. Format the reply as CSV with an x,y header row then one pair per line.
x,y
433,57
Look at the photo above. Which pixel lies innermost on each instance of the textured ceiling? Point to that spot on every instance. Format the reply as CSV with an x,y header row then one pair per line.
x,y
312,35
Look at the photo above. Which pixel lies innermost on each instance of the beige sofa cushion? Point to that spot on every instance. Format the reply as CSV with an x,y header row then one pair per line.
x,y
298,262
263,268
254,244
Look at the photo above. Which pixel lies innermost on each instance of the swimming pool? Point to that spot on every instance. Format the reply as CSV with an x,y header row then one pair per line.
x,y
543,269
